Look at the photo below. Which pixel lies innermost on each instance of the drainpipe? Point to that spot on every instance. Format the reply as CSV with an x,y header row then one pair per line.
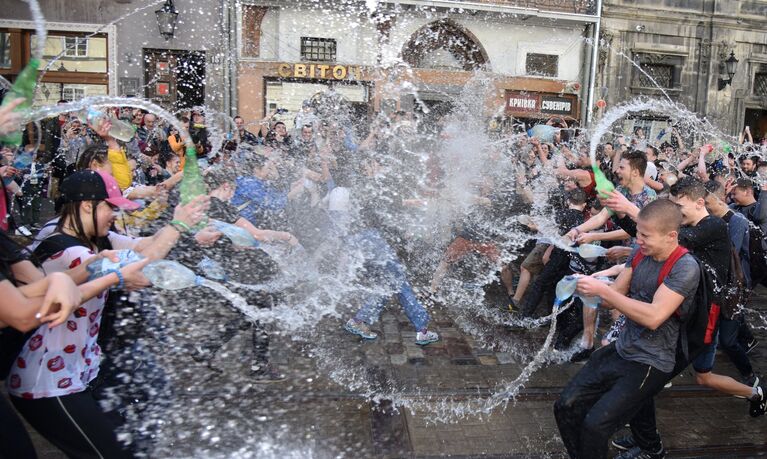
x,y
594,60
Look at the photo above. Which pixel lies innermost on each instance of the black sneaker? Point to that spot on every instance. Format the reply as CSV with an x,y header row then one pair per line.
x,y
637,453
266,374
750,345
759,406
582,355
624,443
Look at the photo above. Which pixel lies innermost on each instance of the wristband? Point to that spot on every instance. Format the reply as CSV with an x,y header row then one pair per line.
x,y
180,226
120,278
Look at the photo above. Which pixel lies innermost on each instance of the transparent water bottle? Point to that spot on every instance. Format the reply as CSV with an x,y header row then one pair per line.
x,y
212,269
171,275
593,302
544,132
591,251
104,266
238,236
121,130
565,289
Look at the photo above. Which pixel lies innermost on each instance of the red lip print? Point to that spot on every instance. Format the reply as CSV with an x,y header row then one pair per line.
x,y
21,363
88,362
83,352
27,395
56,363
75,262
57,255
70,349
94,315
80,312
35,342
64,383
72,325
15,382
94,330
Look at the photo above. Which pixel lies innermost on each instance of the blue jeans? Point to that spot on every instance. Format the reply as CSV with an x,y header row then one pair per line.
x,y
384,267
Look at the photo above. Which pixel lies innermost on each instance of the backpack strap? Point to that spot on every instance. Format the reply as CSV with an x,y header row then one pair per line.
x,y
54,244
637,259
668,265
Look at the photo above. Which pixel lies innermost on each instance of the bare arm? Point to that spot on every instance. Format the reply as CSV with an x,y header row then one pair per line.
x,y
597,221
649,315
263,234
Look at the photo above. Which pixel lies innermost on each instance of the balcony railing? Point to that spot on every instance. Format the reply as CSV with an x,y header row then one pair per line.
x,y
561,6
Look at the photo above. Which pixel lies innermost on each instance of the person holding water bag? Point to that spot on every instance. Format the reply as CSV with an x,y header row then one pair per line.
x,y
48,383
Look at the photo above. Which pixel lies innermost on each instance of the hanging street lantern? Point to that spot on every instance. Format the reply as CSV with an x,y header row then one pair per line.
x,y
166,19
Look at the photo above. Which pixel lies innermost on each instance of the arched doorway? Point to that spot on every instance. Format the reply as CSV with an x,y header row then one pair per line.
x,y
445,45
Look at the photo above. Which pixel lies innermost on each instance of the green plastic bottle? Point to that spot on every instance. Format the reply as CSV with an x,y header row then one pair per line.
x,y
23,87
604,186
192,185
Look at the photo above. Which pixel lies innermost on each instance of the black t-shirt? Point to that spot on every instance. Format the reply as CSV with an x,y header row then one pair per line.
x,y
568,219
709,241
10,254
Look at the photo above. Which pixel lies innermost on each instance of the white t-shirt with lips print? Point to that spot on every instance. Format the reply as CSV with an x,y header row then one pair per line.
x,y
63,360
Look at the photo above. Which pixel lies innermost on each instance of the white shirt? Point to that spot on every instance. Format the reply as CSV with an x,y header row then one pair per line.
x,y
63,360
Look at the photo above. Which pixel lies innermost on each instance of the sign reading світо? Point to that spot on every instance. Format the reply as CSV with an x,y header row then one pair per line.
x,y
322,71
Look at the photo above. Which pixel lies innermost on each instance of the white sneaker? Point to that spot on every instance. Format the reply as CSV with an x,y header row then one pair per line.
x,y
425,337
23,231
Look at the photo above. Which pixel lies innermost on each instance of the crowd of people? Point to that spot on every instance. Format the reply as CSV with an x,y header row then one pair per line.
x,y
684,231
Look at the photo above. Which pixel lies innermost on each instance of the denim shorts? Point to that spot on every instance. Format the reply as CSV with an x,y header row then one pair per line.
x,y
704,363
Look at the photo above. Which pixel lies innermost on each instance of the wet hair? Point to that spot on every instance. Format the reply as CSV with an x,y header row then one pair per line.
x,y
654,150
637,161
665,215
576,197
70,212
184,119
218,176
715,188
94,152
689,187
745,184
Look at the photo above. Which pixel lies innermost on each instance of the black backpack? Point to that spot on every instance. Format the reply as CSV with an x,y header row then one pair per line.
x,y
697,326
756,242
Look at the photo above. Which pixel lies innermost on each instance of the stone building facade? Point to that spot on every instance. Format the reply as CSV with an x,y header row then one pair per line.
x,y
683,46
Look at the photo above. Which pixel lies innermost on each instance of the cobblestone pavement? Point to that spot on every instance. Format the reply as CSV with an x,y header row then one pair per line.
x,y
313,416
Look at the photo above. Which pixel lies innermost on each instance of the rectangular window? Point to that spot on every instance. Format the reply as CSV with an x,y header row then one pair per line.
x,y
318,49
662,74
75,47
760,84
542,64
72,94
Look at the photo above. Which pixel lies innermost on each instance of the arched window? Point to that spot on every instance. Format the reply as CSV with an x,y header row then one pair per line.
x,y
445,45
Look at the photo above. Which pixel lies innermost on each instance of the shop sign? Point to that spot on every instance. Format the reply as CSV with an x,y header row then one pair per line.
x,y
522,102
321,71
556,105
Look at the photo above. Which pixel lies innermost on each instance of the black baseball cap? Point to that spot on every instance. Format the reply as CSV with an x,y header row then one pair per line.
x,y
90,185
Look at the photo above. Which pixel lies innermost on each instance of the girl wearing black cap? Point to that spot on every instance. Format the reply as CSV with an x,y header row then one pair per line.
x,y
49,382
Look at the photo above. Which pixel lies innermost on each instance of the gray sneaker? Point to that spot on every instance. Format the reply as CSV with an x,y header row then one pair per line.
x,y
360,329
422,338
